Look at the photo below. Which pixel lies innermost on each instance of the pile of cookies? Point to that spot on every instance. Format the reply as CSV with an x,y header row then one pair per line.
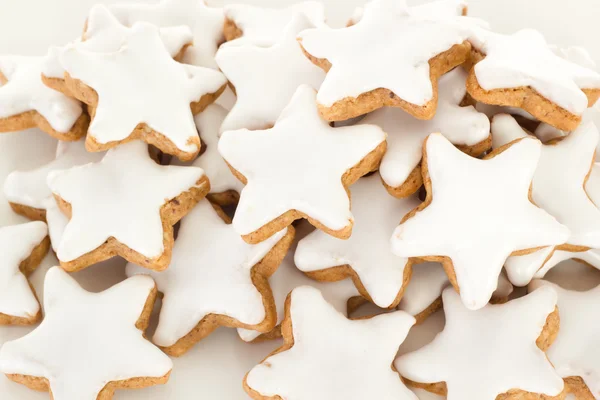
x,y
433,162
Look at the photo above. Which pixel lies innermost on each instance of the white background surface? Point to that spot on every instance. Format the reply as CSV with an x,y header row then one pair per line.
x,y
215,367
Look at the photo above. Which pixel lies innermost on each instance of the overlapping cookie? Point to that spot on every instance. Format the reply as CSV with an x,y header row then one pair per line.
x,y
300,168
215,279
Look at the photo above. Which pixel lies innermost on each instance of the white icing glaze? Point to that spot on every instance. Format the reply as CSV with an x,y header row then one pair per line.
x,y
574,352
16,244
490,110
262,26
591,257
25,91
269,78
478,241
357,367
280,175
288,277
208,123
159,97
105,34
562,168
210,273
119,197
206,24
525,59
461,125
592,186
380,52
29,188
427,282
57,222
495,354
86,339
367,251
433,9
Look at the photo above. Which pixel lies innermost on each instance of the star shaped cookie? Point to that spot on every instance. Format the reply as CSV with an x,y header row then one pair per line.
x,y
481,212
156,106
101,331
25,102
206,24
27,191
283,184
113,211
574,353
269,78
363,76
353,357
501,352
366,257
521,70
246,24
105,34
432,9
214,279
465,127
23,248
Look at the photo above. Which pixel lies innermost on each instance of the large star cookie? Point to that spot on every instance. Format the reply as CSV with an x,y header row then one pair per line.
x,y
206,24
23,248
342,295
269,78
481,212
105,34
466,128
353,357
379,275
521,70
224,186
501,352
25,102
89,344
299,169
27,191
124,205
156,106
246,24
380,61
574,353
214,279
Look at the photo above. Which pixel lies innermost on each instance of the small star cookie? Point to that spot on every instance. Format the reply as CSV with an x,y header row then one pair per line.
x,y
521,70
574,352
283,184
89,344
126,205
481,212
214,279
105,34
500,355
364,75
23,248
465,127
353,357
269,78
27,191
206,24
366,257
156,106
246,24
25,102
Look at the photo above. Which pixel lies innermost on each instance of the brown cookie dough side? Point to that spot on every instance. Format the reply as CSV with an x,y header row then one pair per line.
x,y
230,30
414,181
351,107
577,386
34,214
171,212
543,342
531,101
368,164
260,275
43,385
142,131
